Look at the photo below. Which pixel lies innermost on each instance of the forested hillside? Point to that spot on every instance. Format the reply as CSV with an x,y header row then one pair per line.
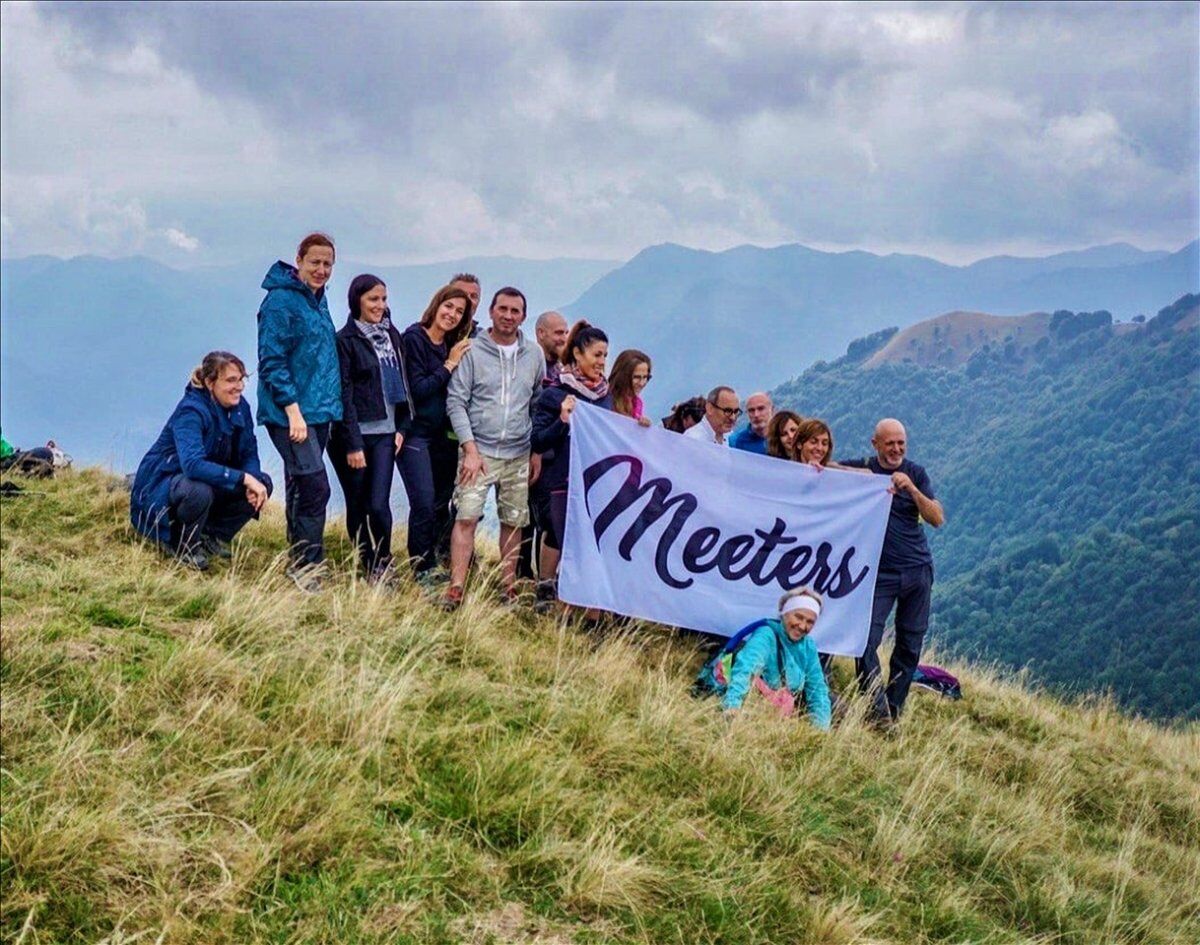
x,y
1070,473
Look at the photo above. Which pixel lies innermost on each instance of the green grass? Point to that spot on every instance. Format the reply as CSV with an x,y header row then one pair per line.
x,y
217,758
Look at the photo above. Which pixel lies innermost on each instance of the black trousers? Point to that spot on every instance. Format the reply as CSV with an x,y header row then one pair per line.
x,y
368,495
306,491
428,465
909,592
198,510
534,533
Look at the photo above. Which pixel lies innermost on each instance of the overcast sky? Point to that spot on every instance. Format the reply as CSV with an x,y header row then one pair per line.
x,y
208,132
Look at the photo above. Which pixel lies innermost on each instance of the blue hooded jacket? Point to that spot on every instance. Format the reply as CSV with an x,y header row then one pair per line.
x,y
203,441
760,657
297,351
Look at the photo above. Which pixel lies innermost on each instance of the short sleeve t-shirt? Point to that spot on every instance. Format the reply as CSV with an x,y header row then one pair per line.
x,y
904,544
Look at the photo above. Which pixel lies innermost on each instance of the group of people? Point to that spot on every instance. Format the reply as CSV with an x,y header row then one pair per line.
x,y
460,408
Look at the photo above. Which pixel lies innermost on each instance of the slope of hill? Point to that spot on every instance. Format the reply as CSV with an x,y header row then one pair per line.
x,y
216,758
751,316
1083,447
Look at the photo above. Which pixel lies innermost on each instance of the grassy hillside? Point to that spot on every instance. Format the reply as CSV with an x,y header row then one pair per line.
x,y
216,758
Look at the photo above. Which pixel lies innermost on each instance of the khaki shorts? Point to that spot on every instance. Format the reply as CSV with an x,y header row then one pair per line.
x,y
511,479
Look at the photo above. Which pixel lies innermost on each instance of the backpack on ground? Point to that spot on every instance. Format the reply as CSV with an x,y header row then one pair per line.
x,y
938,680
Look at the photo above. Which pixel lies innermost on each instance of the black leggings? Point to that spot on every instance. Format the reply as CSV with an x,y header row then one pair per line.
x,y
306,491
368,495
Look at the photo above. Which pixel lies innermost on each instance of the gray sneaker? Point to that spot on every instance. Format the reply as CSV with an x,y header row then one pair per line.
x,y
192,558
309,578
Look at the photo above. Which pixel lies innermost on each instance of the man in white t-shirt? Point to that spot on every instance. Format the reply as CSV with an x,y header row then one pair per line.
x,y
721,411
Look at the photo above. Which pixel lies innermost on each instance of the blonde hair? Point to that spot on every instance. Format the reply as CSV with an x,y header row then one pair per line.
x,y
211,367
800,592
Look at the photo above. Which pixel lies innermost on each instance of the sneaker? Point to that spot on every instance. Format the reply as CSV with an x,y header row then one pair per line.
x,y
308,578
431,577
383,576
453,598
192,558
217,548
510,597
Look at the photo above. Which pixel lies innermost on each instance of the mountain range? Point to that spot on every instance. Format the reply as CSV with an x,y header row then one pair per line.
x,y
121,335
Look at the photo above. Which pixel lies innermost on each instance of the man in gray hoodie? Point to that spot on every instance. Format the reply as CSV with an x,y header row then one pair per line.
x,y
490,403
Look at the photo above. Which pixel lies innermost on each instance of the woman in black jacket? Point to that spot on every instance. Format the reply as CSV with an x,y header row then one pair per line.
x,y
376,414
581,378
433,347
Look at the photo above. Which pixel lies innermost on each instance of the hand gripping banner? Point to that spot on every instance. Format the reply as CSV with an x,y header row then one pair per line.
x,y
695,535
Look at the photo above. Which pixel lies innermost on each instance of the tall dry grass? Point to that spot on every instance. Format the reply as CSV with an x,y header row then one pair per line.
x,y
218,758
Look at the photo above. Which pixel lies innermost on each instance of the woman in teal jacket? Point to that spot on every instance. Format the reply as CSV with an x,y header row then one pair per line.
x,y
300,393
781,654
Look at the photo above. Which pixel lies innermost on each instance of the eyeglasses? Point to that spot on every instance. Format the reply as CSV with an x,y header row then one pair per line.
x,y
731,412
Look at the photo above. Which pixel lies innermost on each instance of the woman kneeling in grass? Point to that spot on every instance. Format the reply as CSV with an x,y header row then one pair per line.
x,y
779,660
201,481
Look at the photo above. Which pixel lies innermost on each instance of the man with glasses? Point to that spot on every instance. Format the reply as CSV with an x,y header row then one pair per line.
x,y
721,411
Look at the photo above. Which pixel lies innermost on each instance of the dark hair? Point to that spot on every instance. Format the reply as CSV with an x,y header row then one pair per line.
x,y
582,337
465,277
620,379
509,290
780,420
360,286
443,294
315,239
809,429
211,367
692,409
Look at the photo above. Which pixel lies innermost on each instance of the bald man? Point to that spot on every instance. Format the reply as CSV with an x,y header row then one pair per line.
x,y
551,332
753,439
905,578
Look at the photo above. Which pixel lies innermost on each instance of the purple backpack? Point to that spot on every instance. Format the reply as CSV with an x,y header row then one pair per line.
x,y
938,680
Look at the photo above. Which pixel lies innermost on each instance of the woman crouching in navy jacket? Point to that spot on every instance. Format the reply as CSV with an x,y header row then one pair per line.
x,y
581,378
201,481
375,416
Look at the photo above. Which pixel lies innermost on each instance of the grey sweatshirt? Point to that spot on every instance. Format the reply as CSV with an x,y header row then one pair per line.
x,y
490,400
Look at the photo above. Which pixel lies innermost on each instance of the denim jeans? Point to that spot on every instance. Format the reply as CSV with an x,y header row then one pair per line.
x,y
428,465
909,591
199,510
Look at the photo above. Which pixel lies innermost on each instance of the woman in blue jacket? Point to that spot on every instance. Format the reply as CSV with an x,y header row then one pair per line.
x,y
201,481
782,656
300,394
364,444
581,378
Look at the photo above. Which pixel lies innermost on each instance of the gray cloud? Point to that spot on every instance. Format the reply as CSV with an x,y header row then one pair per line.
x,y
577,129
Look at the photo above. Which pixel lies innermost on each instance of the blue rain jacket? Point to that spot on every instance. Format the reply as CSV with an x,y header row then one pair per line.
x,y
203,441
297,351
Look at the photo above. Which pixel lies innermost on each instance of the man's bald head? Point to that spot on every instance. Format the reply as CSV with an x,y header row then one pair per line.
x,y
890,442
551,332
759,409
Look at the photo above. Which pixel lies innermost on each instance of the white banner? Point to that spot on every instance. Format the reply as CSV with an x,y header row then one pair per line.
x,y
695,535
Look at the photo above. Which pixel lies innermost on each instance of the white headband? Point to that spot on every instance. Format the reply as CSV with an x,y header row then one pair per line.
x,y
801,602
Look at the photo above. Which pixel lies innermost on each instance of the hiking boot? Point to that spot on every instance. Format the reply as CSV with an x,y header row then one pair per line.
x,y
308,578
545,596
510,597
192,558
384,576
453,598
431,577
216,547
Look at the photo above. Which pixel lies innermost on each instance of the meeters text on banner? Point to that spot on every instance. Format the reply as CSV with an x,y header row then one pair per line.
x,y
701,536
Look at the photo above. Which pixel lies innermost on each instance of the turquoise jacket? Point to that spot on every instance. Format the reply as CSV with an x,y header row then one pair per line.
x,y
297,351
760,657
